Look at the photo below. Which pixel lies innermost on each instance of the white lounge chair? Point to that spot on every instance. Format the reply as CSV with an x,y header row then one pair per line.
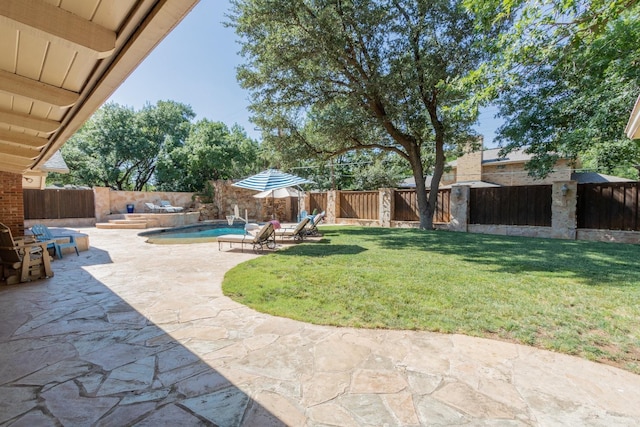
x,y
265,236
295,233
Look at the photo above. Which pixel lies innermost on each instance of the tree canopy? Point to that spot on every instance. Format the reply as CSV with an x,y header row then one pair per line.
x,y
158,146
328,77
566,80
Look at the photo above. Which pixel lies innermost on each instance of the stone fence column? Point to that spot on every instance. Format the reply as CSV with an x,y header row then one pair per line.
x,y
332,206
459,208
102,203
564,199
385,206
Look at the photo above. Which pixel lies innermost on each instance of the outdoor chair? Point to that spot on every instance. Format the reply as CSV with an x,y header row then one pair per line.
x,y
152,208
43,234
295,233
21,261
166,205
312,230
265,236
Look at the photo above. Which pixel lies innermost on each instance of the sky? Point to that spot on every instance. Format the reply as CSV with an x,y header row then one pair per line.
x,y
196,65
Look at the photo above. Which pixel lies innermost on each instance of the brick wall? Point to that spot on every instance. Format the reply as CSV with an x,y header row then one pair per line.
x,y
11,202
511,174
469,166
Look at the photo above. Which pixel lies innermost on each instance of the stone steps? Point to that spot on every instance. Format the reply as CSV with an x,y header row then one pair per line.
x,y
123,224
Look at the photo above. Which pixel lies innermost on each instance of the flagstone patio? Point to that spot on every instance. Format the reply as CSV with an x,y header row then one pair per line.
x,y
131,333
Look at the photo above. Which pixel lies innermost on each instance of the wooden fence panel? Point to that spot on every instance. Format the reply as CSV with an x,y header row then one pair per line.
x,y
57,204
359,204
317,201
522,205
406,206
609,206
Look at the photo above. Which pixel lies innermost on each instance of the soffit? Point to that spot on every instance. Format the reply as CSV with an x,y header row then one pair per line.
x,y
61,59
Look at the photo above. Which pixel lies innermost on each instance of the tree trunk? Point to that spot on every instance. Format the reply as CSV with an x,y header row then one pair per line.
x,y
424,208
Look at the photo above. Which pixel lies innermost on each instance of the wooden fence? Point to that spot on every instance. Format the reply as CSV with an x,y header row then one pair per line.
x,y
359,204
57,204
609,206
523,205
406,206
317,201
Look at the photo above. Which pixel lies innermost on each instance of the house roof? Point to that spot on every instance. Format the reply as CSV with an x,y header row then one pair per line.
x,y
56,163
411,183
595,178
59,62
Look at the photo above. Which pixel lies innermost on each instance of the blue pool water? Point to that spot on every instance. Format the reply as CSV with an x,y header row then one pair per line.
x,y
192,233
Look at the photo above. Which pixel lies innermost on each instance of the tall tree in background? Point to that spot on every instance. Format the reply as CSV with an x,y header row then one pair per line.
x,y
331,76
157,146
567,80
165,126
210,152
103,151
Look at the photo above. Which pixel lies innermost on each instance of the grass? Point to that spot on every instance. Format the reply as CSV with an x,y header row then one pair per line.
x,y
575,297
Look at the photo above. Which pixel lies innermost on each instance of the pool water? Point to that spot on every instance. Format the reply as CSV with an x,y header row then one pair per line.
x,y
191,234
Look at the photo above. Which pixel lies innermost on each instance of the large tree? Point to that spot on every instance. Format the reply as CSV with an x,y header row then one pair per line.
x,y
567,80
331,76
210,152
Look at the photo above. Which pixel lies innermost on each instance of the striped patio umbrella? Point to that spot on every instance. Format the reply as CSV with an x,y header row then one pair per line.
x,y
271,179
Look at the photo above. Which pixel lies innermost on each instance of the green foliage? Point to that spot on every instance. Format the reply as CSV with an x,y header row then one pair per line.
x,y
568,79
331,77
210,152
158,146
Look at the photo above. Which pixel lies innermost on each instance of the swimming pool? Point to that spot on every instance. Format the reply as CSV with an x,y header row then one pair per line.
x,y
198,233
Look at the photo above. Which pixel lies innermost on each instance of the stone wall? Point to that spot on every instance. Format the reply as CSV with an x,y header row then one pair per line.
x,y
109,202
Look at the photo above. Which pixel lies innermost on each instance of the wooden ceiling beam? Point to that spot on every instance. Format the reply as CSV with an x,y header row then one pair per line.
x,y
14,84
8,167
15,161
27,153
58,25
26,121
23,139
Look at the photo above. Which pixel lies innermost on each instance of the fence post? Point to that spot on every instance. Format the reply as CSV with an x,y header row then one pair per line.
x,y
385,206
564,199
332,206
459,208
102,203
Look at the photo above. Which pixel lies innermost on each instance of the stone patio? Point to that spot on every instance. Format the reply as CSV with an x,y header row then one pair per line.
x,y
130,333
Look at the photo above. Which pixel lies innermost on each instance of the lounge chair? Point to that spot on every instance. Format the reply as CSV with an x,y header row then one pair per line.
x,y
152,208
312,230
296,233
43,234
166,205
263,237
22,262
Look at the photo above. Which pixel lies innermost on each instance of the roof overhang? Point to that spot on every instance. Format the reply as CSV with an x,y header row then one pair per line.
x,y
633,127
60,61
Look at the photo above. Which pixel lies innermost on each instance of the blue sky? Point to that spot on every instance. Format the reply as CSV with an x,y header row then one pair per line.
x,y
196,65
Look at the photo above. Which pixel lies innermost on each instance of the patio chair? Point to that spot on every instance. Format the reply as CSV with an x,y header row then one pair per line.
x,y
166,205
43,234
295,233
151,208
265,236
22,262
312,230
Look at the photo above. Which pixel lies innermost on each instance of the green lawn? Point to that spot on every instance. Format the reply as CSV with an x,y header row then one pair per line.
x,y
575,297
